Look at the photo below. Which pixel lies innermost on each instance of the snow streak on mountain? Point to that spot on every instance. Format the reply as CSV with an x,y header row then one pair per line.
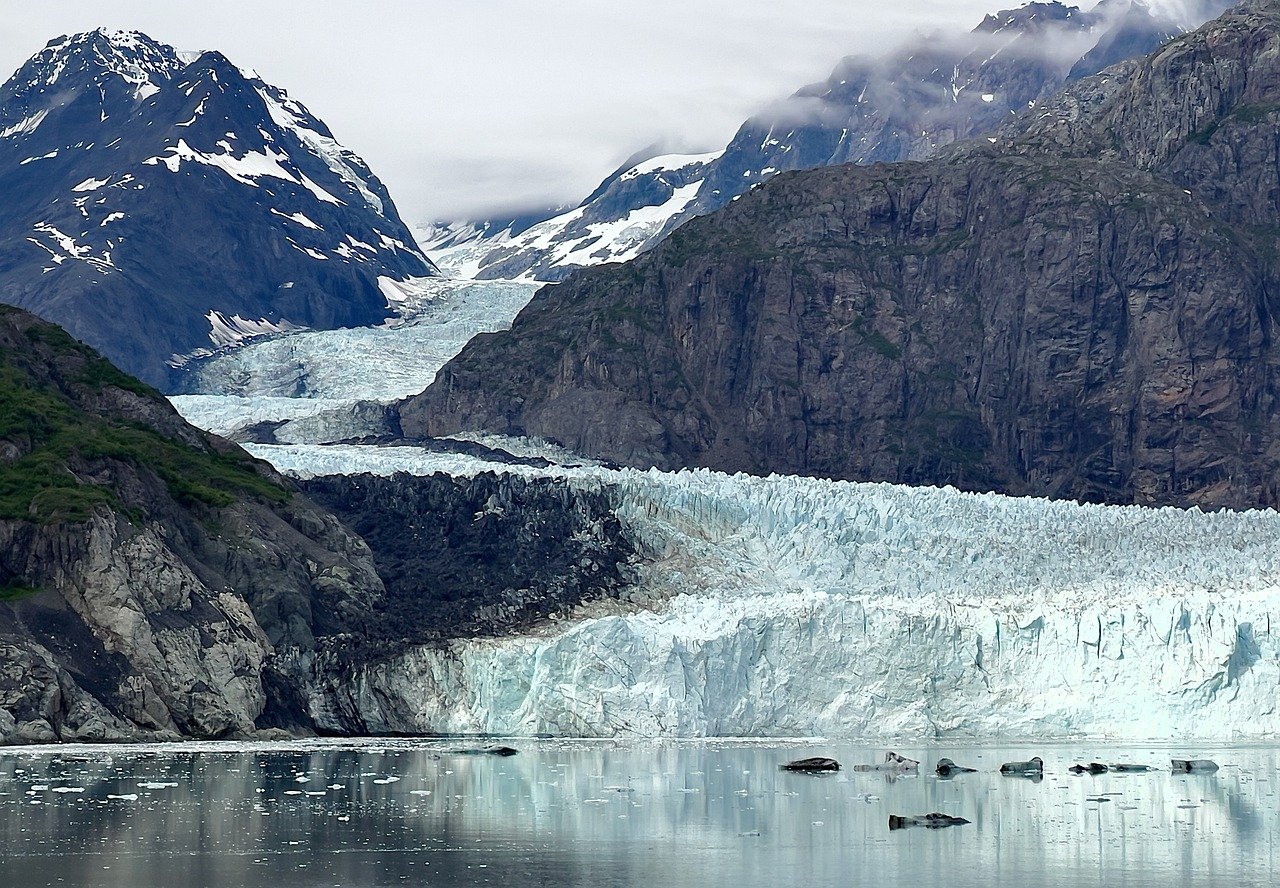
x,y
161,203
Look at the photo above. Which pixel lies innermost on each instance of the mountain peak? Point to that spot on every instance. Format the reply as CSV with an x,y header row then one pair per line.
x,y
70,61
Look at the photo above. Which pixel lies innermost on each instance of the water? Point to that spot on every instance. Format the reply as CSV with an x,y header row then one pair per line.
x,y
603,814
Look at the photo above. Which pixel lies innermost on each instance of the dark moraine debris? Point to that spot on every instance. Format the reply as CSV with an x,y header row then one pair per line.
x,y
1194,766
479,557
948,768
928,821
1032,768
816,765
1091,768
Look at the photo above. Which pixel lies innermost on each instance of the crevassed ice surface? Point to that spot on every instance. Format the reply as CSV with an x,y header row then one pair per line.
x,y
308,373
789,606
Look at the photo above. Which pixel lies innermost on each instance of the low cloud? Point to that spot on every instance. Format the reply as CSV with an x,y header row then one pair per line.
x,y
464,109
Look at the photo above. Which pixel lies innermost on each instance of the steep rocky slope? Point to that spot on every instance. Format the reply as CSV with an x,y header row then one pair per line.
x,y
148,572
1081,306
160,203
157,582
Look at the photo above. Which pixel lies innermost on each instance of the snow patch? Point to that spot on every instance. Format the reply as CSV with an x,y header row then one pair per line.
x,y
229,331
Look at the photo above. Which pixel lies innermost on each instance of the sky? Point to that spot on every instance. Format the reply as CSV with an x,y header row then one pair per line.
x,y
467,108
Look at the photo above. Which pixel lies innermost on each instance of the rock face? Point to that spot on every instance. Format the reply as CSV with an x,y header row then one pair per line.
x,y
1081,306
158,205
151,576
462,558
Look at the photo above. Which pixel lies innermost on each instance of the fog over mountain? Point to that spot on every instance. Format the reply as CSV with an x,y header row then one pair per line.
x,y
469,109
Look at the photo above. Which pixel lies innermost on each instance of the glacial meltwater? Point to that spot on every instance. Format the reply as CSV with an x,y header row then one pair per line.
x,y
665,814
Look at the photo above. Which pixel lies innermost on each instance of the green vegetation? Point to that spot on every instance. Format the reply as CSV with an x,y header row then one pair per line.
x,y
63,443
14,592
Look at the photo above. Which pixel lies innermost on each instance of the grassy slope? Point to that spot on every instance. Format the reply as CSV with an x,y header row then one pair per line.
x,y
47,382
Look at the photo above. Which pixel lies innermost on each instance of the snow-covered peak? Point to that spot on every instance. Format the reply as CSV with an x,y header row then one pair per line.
x,y
668,163
630,211
135,174
71,61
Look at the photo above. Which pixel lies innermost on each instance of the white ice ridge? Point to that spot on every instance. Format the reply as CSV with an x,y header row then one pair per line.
x,y
789,606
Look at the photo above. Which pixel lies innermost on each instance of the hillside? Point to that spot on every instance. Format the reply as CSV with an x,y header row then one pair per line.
x,y
149,572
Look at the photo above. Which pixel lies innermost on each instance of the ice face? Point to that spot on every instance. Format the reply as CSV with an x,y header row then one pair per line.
x,y
787,606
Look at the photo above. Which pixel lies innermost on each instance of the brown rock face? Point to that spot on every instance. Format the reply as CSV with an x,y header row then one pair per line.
x,y
1083,308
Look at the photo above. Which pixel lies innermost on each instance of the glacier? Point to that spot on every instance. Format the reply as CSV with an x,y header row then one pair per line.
x,y
800,607
323,375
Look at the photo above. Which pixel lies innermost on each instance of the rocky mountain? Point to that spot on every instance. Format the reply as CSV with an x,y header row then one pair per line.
x,y
159,204
1081,305
157,582
907,105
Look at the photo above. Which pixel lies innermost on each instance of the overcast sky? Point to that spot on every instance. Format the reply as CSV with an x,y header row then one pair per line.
x,y
468,106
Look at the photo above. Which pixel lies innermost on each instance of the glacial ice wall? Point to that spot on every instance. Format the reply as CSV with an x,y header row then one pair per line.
x,y
790,606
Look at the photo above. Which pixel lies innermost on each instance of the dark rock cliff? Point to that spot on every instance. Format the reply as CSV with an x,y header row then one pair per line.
x,y
462,558
1082,306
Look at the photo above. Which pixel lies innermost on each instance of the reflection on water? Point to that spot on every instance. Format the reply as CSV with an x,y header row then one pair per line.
x,y
612,814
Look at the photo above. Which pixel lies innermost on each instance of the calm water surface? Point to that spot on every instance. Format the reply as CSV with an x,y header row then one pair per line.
x,y
624,814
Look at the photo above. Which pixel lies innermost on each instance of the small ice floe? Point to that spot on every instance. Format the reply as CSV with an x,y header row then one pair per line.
x,y
1194,766
893,763
126,797
302,778
157,785
815,765
383,781
1032,768
68,789
947,768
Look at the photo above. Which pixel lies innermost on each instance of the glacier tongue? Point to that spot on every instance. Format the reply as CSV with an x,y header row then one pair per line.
x,y
790,606
320,376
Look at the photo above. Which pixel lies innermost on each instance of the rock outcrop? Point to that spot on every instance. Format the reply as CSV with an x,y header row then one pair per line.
x,y
151,576
1080,306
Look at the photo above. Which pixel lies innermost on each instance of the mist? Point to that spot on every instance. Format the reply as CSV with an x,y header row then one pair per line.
x,y
471,109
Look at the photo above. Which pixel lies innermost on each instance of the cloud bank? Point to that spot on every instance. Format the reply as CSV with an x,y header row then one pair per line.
x,y
470,108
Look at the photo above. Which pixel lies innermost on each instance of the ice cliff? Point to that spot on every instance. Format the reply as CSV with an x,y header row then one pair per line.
x,y
788,606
